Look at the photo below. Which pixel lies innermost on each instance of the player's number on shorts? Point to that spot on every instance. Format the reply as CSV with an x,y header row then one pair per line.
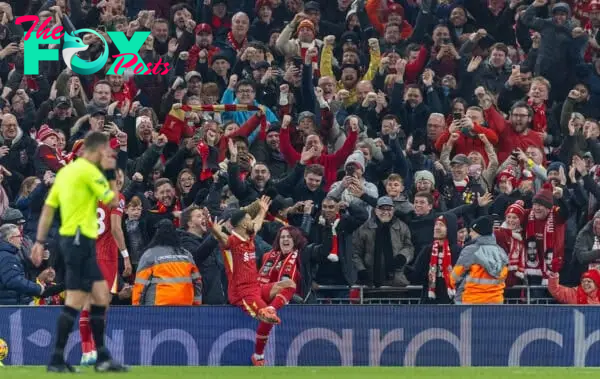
x,y
101,218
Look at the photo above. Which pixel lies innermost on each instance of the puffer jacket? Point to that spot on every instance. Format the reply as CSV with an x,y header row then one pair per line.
x,y
364,244
15,288
480,272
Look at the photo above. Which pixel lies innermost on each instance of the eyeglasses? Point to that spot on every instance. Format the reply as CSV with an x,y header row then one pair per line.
x,y
245,91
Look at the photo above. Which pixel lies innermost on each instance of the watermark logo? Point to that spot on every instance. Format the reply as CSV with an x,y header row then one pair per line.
x,y
129,58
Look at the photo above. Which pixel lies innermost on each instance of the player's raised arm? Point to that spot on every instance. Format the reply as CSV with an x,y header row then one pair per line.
x,y
109,164
216,228
265,203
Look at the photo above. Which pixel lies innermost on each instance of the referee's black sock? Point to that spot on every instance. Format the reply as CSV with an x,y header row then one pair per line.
x,y
64,327
97,323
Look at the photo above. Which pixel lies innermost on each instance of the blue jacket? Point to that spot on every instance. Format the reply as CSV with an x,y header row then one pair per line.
x,y
15,289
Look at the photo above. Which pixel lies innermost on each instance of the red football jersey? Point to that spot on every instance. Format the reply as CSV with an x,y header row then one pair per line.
x,y
240,263
106,246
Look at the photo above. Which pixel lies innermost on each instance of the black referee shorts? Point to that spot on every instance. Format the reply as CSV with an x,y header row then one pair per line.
x,y
81,267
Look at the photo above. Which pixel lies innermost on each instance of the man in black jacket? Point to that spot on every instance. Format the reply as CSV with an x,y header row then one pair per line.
x,y
203,247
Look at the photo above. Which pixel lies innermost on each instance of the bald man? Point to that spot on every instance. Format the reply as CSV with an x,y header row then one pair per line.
x,y
17,150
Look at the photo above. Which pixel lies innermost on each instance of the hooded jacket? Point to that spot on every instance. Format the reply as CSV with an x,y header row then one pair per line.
x,y
480,272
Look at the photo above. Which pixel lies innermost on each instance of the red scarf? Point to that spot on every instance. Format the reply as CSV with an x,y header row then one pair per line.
x,y
204,151
162,209
540,124
440,261
516,255
269,217
534,265
277,267
333,254
236,46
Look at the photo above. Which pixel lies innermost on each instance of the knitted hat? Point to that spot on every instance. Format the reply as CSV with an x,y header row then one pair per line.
x,y
544,196
594,275
356,158
425,175
395,8
555,166
44,133
483,226
561,7
506,175
306,24
518,209
442,219
13,216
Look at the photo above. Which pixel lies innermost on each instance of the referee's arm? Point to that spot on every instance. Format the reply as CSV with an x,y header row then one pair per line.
x,y
46,218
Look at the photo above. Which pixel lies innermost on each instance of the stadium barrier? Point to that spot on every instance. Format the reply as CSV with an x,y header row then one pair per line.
x,y
509,335
336,294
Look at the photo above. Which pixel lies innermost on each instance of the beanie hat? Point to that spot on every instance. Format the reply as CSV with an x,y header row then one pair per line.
x,y
594,275
425,175
395,8
13,216
44,133
356,157
306,24
561,7
506,175
483,226
442,219
544,196
555,166
518,209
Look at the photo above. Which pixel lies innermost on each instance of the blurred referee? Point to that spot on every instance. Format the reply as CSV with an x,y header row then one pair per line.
x,y
77,189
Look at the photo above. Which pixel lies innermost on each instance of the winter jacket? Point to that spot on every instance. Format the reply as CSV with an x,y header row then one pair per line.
x,y
584,244
15,288
480,272
364,244
19,158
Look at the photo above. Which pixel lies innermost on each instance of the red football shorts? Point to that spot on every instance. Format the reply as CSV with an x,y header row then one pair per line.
x,y
110,271
252,300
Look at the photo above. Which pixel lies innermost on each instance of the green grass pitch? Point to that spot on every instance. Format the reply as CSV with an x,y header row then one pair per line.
x,y
179,372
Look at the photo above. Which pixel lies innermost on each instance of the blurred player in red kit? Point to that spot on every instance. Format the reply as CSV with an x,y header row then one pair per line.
x,y
110,242
239,253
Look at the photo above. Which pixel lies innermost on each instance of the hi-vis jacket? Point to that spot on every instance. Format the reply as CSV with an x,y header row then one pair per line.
x,y
167,276
480,272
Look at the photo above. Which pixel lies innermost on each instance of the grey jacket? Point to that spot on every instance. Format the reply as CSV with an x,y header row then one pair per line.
x,y
584,244
484,252
363,247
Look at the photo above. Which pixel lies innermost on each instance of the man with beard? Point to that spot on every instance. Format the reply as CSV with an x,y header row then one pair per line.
x,y
382,247
203,49
252,188
514,133
160,32
266,149
239,253
195,238
167,207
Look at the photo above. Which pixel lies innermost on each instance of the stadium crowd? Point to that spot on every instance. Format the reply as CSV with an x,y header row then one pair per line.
x,y
450,144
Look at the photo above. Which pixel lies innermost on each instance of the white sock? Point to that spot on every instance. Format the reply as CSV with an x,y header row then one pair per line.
x,y
259,356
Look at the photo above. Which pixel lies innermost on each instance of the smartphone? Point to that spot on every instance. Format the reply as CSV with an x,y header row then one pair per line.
x,y
350,169
456,115
446,41
102,28
297,62
14,39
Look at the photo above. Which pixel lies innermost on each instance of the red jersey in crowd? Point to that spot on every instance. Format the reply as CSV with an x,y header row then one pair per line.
x,y
240,266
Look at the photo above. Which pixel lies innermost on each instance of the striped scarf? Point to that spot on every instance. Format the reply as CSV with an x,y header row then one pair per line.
x,y
162,209
440,265
174,125
277,267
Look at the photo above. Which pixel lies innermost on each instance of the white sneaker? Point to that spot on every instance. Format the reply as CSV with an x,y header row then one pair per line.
x,y
89,359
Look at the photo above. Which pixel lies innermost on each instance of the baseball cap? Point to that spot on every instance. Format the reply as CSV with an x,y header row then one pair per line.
x,y
280,203
94,110
385,201
312,6
192,74
62,102
203,28
460,159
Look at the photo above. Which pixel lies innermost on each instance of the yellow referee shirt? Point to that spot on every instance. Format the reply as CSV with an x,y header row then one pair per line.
x,y
77,189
